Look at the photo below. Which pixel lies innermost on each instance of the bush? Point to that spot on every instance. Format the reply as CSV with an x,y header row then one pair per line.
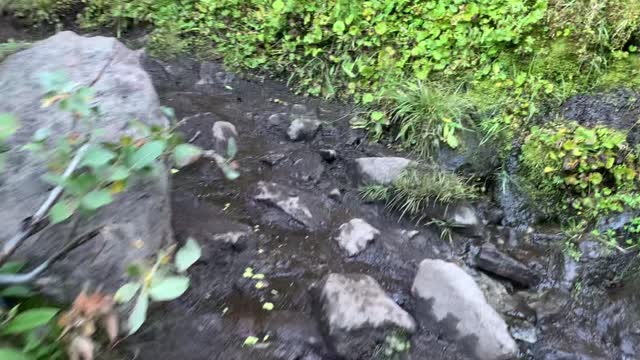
x,y
568,168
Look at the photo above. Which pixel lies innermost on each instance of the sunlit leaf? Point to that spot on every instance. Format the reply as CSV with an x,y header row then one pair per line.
x,y
96,199
118,173
126,292
250,341
8,126
29,319
267,306
139,313
97,156
147,154
185,154
169,288
12,354
188,255
60,212
339,27
278,5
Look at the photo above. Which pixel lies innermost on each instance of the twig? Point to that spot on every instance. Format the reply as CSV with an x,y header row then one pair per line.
x,y
34,224
194,137
13,279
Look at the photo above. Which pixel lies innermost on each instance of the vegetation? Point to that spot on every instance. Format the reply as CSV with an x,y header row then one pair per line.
x,y
420,188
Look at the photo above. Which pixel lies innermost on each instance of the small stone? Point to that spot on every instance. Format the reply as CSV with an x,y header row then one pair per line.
x,y
335,194
222,132
381,170
355,236
303,129
273,159
328,155
276,120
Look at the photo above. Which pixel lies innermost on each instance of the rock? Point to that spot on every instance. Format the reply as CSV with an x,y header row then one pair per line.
x,y
451,301
357,314
211,73
296,206
355,236
124,92
328,155
465,221
222,132
307,166
493,261
304,123
276,120
273,159
335,194
381,170
551,304
235,239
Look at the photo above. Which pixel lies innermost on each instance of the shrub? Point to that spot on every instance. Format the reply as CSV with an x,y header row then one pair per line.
x,y
587,171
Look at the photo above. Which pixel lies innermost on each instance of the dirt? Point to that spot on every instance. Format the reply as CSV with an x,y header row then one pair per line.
x,y
574,318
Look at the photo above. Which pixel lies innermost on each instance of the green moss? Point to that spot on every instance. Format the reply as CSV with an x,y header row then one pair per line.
x,y
11,47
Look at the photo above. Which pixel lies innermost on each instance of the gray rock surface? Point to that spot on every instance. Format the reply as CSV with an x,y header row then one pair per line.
x,y
449,300
466,221
355,236
222,132
304,123
298,206
380,170
498,263
123,93
357,313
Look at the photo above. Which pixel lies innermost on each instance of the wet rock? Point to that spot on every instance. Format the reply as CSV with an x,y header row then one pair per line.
x,y
494,261
551,304
355,236
273,159
295,205
123,92
222,132
307,166
357,314
335,194
380,170
449,300
495,216
304,123
328,155
277,120
236,239
465,221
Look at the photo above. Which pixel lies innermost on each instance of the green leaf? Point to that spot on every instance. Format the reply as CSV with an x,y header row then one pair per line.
x,y
381,28
97,156
250,341
118,173
377,116
126,292
12,354
267,306
339,27
186,154
30,319
188,255
41,134
229,172
11,267
139,313
169,288
16,291
367,98
232,148
60,212
147,154
8,126
96,199
278,5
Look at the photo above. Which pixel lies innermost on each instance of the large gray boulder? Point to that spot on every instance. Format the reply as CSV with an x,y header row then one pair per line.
x,y
449,300
138,222
355,235
380,170
357,314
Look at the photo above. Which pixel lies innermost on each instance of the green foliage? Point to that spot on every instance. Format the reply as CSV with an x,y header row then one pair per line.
x,y
429,115
419,188
39,11
162,281
587,171
12,47
395,346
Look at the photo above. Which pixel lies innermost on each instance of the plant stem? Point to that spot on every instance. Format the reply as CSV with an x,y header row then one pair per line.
x,y
33,224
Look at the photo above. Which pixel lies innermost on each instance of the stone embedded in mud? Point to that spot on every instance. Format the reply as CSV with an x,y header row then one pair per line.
x,y
381,170
124,92
304,123
280,197
222,132
450,301
328,155
494,261
355,236
357,314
